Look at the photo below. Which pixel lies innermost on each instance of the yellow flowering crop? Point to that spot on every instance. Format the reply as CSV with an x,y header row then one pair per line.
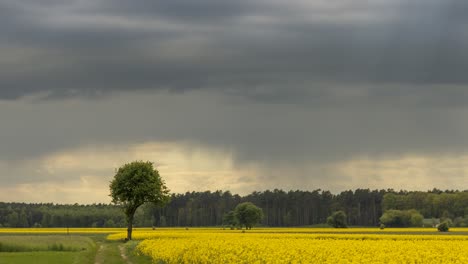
x,y
300,245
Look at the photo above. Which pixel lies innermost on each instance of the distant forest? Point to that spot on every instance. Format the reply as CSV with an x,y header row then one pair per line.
x,y
363,207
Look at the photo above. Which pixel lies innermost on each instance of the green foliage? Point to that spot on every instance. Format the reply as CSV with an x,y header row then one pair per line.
x,y
435,203
162,221
109,223
12,220
382,226
137,183
399,218
293,208
416,220
337,220
133,185
460,222
230,219
248,215
443,227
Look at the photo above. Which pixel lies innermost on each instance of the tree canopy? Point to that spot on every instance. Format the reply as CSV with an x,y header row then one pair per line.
x,y
248,215
402,218
337,220
363,207
133,185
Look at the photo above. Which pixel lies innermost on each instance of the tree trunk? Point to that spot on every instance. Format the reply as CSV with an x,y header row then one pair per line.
x,y
129,228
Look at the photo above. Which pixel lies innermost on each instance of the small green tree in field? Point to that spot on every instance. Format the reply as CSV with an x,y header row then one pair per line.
x,y
337,219
443,227
230,219
248,215
134,184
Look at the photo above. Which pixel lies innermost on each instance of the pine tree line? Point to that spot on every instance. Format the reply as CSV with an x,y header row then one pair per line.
x,y
363,207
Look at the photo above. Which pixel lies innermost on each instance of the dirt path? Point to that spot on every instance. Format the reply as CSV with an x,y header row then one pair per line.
x,y
111,253
99,255
123,254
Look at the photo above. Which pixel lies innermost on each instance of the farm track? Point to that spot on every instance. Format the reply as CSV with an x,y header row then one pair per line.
x,y
111,253
123,254
99,255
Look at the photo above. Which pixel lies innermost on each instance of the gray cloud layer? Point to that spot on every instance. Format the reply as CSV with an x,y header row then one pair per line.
x,y
265,50
282,84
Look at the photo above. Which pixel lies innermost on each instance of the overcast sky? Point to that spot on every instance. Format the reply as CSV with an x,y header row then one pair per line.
x,y
232,95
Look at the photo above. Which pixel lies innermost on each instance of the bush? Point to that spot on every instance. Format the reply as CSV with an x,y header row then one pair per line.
x,y
398,218
416,219
337,219
447,220
443,227
460,222
382,226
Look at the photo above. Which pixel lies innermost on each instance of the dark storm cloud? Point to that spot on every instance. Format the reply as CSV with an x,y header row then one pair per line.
x,y
204,11
288,87
270,51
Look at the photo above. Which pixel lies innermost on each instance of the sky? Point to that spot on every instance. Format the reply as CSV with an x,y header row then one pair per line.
x,y
232,95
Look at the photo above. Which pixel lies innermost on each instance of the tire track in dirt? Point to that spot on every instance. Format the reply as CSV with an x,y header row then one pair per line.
x,y
123,254
98,258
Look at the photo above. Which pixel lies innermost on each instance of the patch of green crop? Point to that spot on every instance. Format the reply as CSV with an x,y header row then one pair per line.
x,y
44,243
41,257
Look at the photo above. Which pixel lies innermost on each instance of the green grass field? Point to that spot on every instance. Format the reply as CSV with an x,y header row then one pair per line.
x,y
49,248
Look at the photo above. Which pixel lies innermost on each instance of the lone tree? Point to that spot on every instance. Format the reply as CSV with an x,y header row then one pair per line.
x,y
230,219
134,184
443,227
248,215
337,219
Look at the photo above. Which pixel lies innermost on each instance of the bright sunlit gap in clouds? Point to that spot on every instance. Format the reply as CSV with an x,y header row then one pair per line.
x,y
83,174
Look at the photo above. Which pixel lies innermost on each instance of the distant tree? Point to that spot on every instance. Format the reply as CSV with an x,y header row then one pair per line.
x,y
399,218
337,219
23,219
363,207
287,219
443,227
416,219
162,221
248,215
109,223
134,184
230,219
13,219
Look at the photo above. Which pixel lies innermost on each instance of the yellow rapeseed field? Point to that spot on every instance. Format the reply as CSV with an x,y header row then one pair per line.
x,y
287,245
302,245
